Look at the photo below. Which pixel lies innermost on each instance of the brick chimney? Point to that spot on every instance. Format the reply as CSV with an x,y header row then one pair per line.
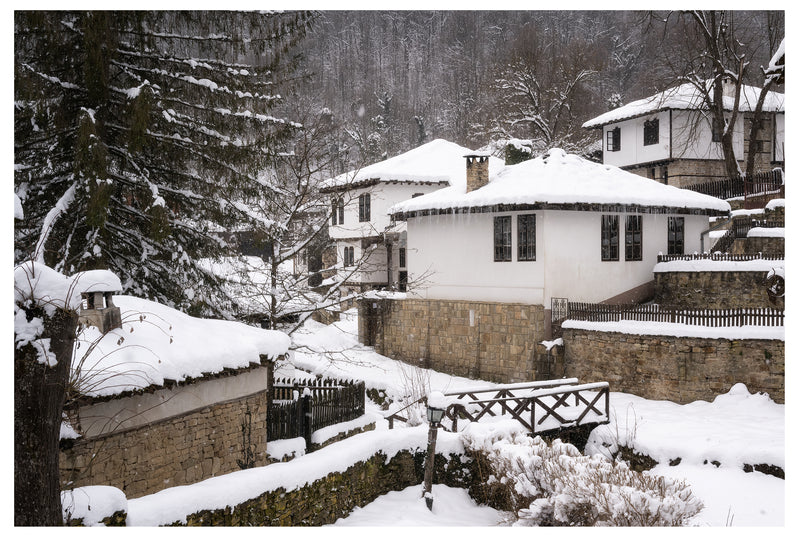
x,y
477,171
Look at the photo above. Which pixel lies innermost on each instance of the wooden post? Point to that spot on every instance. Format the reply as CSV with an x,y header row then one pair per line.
x,y
429,462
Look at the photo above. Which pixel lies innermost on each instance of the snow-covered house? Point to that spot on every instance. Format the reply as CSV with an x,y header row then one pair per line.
x,y
557,226
670,136
371,250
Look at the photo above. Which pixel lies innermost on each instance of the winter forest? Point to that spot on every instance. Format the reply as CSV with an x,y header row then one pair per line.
x,y
163,135
186,163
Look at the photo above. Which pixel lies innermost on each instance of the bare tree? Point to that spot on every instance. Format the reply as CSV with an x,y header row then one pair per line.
x,y
708,49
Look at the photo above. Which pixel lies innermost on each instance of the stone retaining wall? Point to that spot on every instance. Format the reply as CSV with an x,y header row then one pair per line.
x,y
711,290
492,341
768,245
680,369
181,450
337,494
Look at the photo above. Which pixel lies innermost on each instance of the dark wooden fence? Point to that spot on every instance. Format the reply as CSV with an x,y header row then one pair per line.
x,y
601,312
739,229
302,407
759,184
720,257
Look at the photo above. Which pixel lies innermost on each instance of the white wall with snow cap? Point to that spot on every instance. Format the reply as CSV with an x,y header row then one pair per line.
x,y
632,147
457,252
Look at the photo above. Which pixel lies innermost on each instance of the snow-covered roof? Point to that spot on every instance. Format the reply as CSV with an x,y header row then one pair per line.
x,y
39,283
685,97
776,64
438,161
557,179
158,343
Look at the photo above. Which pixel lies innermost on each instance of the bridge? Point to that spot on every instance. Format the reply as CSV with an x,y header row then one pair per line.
x,y
540,406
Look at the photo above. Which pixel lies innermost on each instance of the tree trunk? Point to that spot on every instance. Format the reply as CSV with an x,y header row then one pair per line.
x,y
39,392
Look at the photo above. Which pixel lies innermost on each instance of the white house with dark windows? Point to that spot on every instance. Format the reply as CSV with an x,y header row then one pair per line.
x,y
557,226
371,249
671,137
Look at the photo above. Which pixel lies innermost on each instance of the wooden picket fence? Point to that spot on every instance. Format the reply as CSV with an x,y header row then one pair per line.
x,y
758,185
296,412
601,312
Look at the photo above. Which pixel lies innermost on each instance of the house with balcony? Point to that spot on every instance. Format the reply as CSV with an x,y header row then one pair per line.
x,y
371,250
671,137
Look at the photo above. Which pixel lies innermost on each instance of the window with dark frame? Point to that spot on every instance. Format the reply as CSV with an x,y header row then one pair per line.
x,y
402,281
613,137
502,238
526,237
651,132
363,208
675,227
633,238
349,256
341,211
402,257
609,238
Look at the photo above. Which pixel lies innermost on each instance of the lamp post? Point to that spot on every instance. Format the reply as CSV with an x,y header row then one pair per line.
x,y
436,407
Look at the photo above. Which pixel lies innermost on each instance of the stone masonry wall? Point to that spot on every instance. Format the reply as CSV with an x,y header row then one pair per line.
x,y
711,290
181,450
768,245
680,369
337,494
492,341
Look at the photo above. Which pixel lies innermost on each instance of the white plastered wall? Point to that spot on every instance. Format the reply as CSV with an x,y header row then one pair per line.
x,y
452,257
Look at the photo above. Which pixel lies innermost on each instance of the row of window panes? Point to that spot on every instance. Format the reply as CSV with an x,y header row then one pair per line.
x,y
614,136
651,134
349,256
364,210
526,238
609,237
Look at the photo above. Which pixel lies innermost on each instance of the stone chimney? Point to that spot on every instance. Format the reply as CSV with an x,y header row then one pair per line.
x,y
100,311
477,170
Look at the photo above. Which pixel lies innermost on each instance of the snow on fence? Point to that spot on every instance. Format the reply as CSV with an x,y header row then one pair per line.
x,y
760,184
300,408
739,229
720,257
539,406
601,312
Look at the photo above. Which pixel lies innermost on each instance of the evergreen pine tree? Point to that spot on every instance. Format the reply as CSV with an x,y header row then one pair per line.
x,y
139,134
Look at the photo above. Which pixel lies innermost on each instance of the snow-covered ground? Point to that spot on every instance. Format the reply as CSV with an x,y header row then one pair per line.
x,y
737,428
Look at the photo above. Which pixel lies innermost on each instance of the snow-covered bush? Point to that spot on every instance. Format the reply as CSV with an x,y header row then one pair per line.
x,y
554,485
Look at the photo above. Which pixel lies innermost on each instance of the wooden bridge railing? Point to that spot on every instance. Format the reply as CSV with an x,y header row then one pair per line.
x,y
538,406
